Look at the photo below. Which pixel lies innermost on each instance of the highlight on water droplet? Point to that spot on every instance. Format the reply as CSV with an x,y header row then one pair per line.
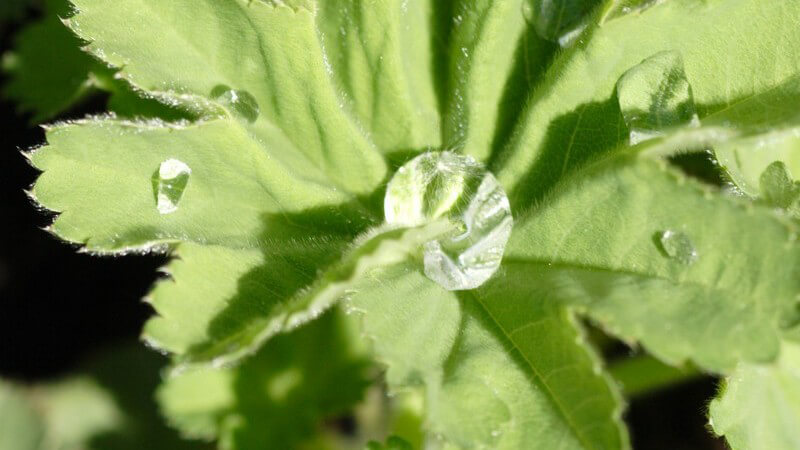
x,y
678,246
562,21
241,103
656,95
446,185
169,182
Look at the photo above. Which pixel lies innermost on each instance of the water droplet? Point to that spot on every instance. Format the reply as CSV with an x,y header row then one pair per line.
x,y
447,185
169,182
655,95
777,186
559,21
241,103
678,246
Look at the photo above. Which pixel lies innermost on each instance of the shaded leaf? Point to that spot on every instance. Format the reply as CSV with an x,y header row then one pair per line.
x,y
759,405
298,105
48,71
20,426
490,363
108,405
277,398
573,116
596,244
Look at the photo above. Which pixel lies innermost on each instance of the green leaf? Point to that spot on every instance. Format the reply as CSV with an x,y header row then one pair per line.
x,y
573,116
767,142
108,405
214,318
759,406
266,199
48,71
277,398
598,243
489,42
489,363
392,443
381,58
20,427
235,191
12,9
298,113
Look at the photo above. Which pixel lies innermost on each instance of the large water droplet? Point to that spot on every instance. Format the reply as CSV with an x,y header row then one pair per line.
x,y
655,95
678,246
242,103
445,185
169,182
777,186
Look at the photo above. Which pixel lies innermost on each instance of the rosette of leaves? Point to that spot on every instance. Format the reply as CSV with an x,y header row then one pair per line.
x,y
303,111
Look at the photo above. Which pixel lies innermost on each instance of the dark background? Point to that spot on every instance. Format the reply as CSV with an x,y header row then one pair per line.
x,y
58,305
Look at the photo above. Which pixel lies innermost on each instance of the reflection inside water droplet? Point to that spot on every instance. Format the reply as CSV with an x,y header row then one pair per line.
x,y
655,95
240,102
455,187
169,182
678,246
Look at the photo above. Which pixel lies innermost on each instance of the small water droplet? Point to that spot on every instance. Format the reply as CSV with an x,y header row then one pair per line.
x,y
169,182
241,103
448,185
678,246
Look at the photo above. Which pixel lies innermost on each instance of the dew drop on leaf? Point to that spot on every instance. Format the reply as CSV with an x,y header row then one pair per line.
x,y
169,182
562,21
655,95
446,185
777,186
242,103
678,246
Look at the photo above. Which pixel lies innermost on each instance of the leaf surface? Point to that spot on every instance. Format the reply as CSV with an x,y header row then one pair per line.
x,y
20,427
190,52
34,83
381,55
759,406
107,405
277,398
598,243
574,114
490,364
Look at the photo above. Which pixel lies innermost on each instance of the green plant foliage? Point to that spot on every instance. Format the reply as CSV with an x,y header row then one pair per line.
x,y
20,427
488,364
109,405
268,195
759,407
277,398
35,85
50,74
12,9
